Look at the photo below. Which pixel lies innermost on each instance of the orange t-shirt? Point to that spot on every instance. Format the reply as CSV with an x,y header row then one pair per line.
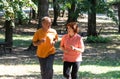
x,y
71,55
46,48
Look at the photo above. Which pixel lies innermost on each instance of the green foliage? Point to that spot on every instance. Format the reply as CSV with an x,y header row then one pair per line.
x,y
97,39
8,9
111,14
21,15
30,3
110,11
79,7
13,9
101,6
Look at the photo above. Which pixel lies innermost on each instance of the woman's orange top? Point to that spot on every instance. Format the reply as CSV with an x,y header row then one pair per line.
x,y
71,55
46,48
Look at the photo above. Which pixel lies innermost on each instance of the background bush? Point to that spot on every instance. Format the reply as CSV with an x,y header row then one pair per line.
x,y
97,39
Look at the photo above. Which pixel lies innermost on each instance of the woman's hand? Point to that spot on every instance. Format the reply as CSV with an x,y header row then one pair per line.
x,y
76,49
72,47
64,50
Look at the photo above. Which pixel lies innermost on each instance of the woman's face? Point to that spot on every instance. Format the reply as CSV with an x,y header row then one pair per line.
x,y
70,30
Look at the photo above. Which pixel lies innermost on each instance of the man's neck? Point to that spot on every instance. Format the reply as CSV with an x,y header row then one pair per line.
x,y
46,30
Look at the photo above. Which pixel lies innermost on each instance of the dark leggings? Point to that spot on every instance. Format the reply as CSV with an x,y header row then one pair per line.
x,y
46,66
70,69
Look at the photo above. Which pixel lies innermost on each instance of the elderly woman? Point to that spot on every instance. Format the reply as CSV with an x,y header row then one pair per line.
x,y
72,46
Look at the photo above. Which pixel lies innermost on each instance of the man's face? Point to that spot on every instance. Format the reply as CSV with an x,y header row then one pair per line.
x,y
46,24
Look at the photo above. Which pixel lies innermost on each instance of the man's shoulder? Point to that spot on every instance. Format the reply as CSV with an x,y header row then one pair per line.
x,y
39,30
52,30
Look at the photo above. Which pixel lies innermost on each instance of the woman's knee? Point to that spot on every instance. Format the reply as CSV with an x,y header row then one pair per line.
x,y
66,74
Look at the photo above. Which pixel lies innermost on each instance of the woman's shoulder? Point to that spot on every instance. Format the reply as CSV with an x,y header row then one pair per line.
x,y
78,36
65,36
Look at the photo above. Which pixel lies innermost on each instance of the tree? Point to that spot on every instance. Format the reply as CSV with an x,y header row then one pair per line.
x,y
9,14
98,6
119,16
74,8
12,10
43,6
116,3
56,10
92,19
72,11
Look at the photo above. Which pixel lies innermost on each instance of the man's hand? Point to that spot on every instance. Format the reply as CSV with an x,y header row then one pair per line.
x,y
36,43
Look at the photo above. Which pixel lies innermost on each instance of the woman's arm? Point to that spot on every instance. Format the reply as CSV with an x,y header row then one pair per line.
x,y
81,48
78,49
63,49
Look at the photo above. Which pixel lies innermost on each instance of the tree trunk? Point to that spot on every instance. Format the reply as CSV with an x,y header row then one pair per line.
x,y
56,12
20,21
33,14
92,19
72,13
8,33
119,17
43,7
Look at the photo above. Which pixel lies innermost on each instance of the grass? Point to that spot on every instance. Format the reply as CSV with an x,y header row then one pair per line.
x,y
22,40
19,40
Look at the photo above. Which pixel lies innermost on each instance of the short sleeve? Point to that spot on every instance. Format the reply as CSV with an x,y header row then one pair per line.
x,y
81,44
35,37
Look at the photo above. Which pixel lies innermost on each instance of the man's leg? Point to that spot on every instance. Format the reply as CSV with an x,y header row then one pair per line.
x,y
42,62
49,66
46,66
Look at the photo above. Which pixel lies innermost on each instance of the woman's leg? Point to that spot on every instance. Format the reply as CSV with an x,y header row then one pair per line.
x,y
75,68
66,69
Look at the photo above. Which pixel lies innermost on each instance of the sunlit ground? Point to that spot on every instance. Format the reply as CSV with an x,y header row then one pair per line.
x,y
98,69
15,71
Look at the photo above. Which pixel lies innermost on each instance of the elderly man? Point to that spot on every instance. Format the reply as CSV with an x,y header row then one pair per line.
x,y
45,38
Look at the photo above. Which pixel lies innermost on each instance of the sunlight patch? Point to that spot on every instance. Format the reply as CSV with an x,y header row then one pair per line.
x,y
98,69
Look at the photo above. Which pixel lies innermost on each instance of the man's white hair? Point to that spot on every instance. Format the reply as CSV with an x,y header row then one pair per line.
x,y
46,18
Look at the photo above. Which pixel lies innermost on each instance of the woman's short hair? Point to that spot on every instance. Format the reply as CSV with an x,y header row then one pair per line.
x,y
74,26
